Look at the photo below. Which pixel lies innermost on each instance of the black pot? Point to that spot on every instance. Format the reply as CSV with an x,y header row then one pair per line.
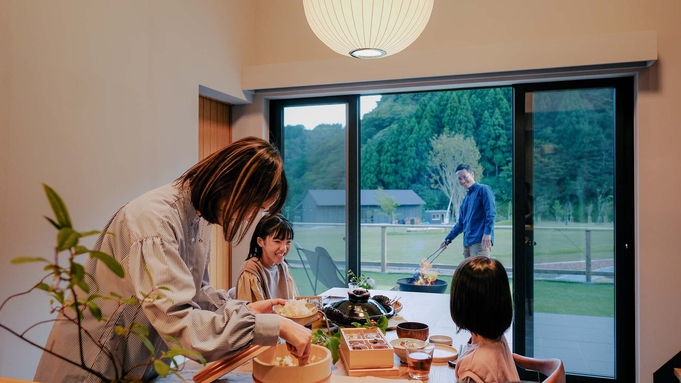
x,y
407,284
351,309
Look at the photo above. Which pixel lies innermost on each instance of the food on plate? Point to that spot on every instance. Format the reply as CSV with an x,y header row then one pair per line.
x,y
404,343
296,308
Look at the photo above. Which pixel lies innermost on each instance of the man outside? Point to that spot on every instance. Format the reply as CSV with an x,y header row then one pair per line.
x,y
476,216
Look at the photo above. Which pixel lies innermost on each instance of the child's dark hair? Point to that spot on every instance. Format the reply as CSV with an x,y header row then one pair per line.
x,y
272,225
480,298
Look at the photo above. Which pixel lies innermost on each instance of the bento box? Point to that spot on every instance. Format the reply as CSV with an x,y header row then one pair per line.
x,y
363,348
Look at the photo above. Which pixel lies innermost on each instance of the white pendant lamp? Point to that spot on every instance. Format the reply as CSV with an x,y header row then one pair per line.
x,y
367,29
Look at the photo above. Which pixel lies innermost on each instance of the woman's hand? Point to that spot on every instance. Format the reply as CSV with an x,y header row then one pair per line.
x,y
265,307
298,339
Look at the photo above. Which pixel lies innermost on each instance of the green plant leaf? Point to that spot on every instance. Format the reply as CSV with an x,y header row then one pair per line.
x,y
59,296
333,345
50,220
77,271
146,342
331,342
130,301
80,250
90,233
191,354
83,285
161,368
120,330
58,207
95,310
43,286
19,260
173,352
170,339
92,297
382,323
196,356
109,261
138,328
67,238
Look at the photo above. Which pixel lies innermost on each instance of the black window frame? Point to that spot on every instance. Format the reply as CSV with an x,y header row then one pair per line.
x,y
624,211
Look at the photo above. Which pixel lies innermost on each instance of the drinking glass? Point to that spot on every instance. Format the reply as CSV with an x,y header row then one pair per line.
x,y
419,359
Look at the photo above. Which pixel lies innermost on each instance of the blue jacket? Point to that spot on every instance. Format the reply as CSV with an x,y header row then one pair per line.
x,y
476,215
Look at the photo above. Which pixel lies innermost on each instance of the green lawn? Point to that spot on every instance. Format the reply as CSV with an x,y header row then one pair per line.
x,y
555,243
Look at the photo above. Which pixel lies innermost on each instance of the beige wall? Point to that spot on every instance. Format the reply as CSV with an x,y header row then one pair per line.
x,y
286,47
99,100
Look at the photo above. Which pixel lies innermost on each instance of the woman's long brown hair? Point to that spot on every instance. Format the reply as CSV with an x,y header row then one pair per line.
x,y
235,182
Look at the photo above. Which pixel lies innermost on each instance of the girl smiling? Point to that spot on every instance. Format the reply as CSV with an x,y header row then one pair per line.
x,y
264,274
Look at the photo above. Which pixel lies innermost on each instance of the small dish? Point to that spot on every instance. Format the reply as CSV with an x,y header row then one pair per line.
x,y
444,353
441,339
398,346
397,305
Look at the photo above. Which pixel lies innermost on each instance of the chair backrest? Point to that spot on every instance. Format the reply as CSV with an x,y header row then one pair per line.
x,y
553,368
311,258
327,271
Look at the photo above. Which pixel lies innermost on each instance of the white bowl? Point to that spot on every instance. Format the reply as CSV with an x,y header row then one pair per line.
x,y
317,371
398,345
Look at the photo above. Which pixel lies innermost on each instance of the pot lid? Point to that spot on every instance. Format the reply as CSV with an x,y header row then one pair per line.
x,y
352,309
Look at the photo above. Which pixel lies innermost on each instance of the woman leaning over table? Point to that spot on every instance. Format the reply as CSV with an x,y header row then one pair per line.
x,y
165,234
480,302
265,274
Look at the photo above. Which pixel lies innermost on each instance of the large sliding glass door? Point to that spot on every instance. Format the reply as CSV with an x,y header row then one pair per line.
x,y
573,225
369,189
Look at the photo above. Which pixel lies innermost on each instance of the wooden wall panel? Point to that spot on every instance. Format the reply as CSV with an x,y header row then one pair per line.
x,y
215,132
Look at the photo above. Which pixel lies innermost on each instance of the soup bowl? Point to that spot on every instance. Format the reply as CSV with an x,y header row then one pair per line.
x,y
414,330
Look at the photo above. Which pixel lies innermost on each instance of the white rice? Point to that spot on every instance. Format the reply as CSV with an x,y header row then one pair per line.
x,y
285,361
296,308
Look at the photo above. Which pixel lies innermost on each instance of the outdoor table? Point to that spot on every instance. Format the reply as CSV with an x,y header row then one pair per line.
x,y
432,309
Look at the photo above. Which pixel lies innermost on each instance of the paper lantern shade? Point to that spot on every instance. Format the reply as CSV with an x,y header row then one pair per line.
x,y
367,29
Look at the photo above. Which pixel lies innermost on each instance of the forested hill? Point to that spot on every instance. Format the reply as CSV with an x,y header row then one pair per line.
x,y
404,135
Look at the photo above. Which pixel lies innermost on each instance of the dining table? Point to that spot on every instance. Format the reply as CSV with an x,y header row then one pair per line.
x,y
429,308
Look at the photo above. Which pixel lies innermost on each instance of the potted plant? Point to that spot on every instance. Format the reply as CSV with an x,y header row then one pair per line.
x,y
66,282
363,281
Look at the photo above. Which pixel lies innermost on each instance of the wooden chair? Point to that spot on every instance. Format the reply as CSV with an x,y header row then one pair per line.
x,y
553,368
